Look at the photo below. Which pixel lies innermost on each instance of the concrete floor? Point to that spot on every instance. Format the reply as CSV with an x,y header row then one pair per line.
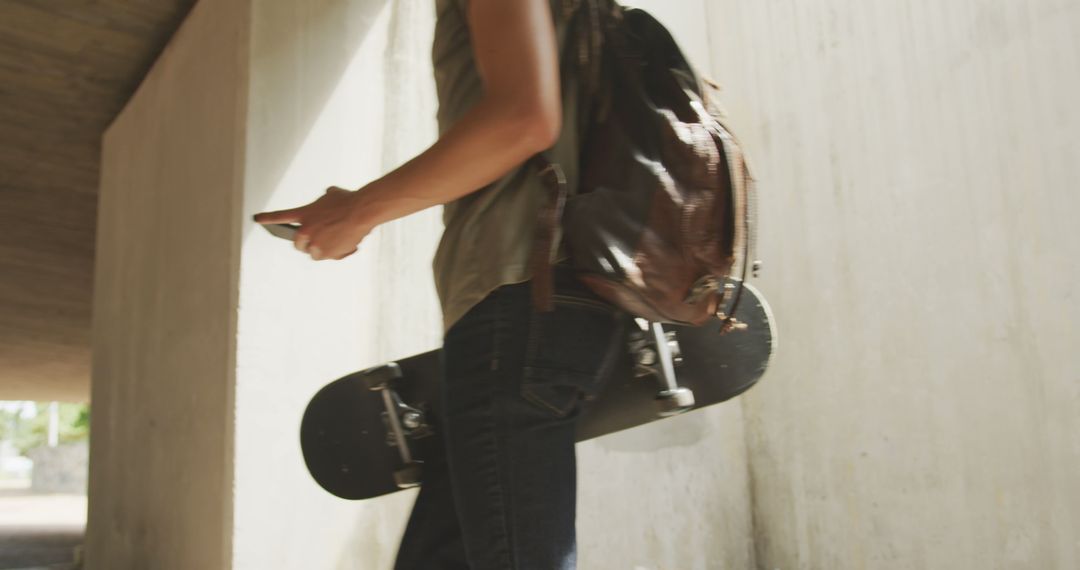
x,y
39,531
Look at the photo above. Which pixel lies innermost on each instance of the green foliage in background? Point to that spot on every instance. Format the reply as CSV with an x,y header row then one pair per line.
x,y
28,433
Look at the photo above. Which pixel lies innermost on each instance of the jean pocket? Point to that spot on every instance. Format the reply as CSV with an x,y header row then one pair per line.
x,y
569,351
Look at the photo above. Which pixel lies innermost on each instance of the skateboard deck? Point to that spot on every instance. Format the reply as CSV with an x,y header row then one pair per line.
x,y
353,447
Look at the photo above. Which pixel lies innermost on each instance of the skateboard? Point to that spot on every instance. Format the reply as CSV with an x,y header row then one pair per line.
x,y
366,434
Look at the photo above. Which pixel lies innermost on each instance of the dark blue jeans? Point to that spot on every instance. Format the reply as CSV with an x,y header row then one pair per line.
x,y
504,496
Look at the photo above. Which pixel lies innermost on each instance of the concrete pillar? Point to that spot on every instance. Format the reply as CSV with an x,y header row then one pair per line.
x,y
165,304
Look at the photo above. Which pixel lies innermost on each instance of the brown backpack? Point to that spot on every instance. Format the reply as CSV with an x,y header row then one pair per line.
x,y
661,225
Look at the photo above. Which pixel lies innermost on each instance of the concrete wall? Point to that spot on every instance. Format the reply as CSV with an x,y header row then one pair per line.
x,y
918,201
321,115
60,469
160,493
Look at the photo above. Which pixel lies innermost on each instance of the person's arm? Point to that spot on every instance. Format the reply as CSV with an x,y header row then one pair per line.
x,y
519,115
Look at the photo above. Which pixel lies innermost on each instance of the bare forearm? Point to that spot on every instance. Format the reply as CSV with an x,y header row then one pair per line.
x,y
487,142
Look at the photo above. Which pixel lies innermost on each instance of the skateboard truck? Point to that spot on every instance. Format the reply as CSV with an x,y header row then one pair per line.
x,y
657,354
645,355
400,418
412,421
673,399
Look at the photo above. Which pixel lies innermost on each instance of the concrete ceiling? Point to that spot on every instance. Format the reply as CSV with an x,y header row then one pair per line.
x,y
66,69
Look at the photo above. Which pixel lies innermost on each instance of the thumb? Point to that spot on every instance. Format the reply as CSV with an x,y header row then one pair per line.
x,y
279,216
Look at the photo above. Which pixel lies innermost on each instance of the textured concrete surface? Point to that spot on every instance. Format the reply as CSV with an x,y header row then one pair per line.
x,y
60,469
165,304
39,530
918,202
51,547
67,68
319,116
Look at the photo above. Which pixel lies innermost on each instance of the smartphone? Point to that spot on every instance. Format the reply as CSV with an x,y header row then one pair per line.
x,y
283,231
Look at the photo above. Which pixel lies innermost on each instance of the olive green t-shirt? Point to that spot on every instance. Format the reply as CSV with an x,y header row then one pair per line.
x,y
489,233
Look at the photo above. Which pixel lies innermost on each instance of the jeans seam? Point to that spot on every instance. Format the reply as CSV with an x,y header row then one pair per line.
x,y
528,394
613,346
505,499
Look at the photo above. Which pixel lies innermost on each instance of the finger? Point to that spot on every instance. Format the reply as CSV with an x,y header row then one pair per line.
x,y
302,241
344,255
279,216
316,253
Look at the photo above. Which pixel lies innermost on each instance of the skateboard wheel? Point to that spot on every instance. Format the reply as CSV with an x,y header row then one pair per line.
x,y
408,476
674,402
412,420
646,357
675,350
673,346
